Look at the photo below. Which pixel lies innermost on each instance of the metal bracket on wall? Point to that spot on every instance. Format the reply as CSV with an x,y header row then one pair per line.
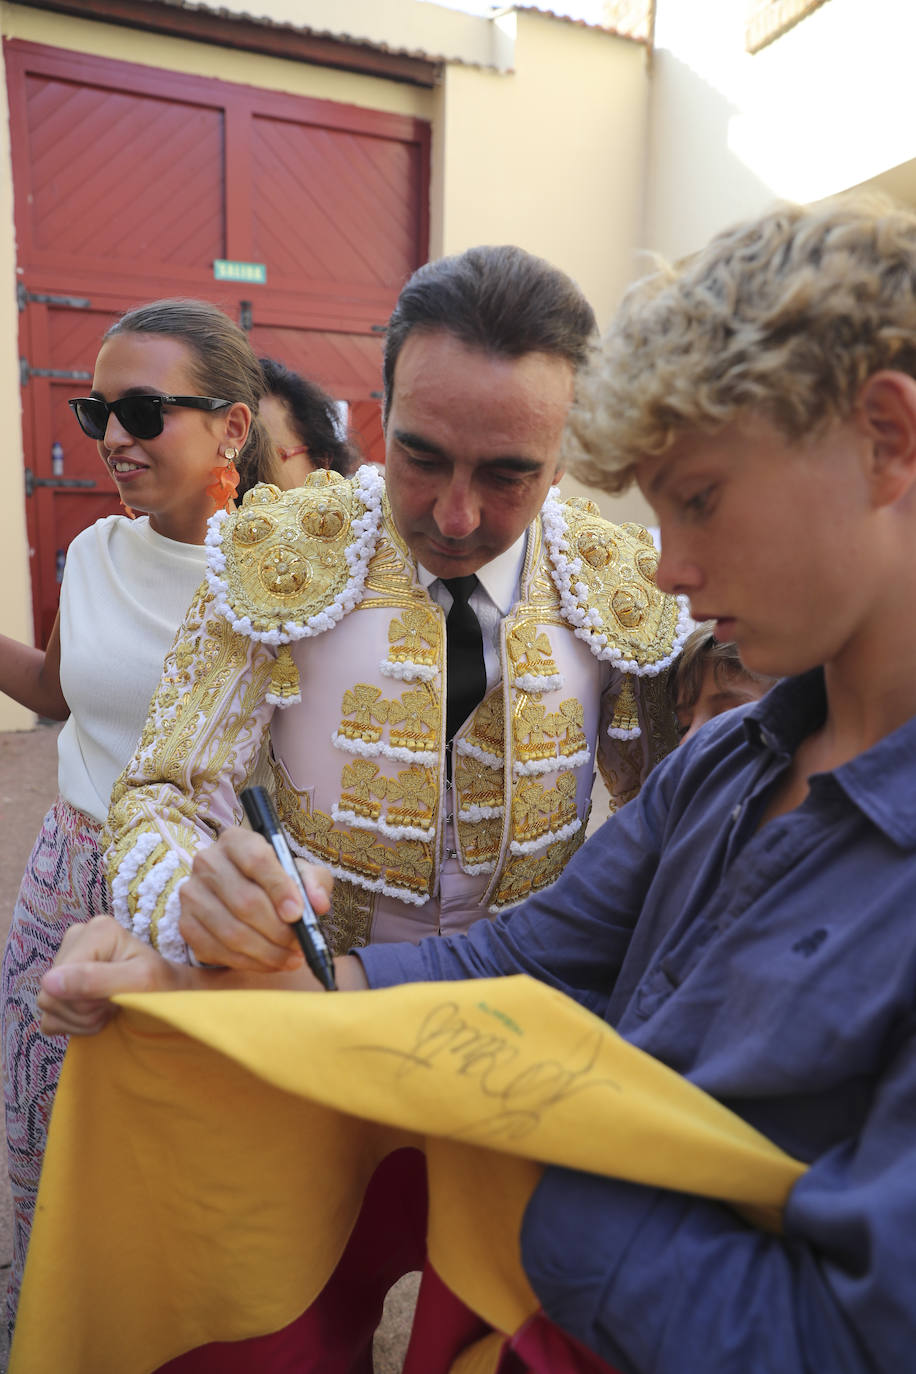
x,y
246,316
25,297
31,482
64,373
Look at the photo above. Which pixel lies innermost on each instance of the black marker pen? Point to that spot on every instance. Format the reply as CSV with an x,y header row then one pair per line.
x,y
263,818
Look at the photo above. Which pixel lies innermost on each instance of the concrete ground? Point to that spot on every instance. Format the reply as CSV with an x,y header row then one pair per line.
x,y
28,783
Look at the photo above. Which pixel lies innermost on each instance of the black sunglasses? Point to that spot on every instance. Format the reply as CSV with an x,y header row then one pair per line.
x,y
141,416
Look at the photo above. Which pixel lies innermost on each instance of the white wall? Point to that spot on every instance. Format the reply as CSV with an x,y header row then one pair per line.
x,y
825,107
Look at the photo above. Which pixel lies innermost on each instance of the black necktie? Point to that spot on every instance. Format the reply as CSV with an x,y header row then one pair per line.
x,y
465,674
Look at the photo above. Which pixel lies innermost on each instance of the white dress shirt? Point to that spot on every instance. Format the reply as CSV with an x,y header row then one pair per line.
x,y
491,601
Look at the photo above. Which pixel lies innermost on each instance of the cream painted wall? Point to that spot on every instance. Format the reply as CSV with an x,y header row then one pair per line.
x,y
826,107
14,553
550,157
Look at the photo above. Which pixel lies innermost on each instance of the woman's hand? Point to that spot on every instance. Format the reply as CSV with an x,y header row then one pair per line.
x,y
95,961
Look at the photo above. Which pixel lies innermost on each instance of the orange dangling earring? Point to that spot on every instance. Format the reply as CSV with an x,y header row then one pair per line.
x,y
225,481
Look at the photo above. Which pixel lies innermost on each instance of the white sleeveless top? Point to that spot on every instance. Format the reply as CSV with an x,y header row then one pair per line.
x,y
125,592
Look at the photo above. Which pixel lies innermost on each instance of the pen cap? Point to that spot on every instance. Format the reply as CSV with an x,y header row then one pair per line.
x,y
259,810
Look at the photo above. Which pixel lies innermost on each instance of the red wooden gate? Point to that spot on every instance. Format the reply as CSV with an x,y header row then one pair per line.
x,y
129,183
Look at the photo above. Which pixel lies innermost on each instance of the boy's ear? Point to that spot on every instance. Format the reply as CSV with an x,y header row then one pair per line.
x,y
887,413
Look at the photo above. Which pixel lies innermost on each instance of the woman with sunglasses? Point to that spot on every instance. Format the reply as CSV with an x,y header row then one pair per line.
x,y
173,410
304,423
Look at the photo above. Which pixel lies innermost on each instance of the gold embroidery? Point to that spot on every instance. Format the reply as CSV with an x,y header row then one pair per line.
x,y
617,566
529,651
317,833
366,704
361,852
661,722
477,784
626,714
284,572
388,574
411,866
479,840
524,874
414,718
414,789
623,776
407,864
600,554
252,529
533,730
568,723
285,552
647,563
630,604
218,676
537,811
311,830
284,677
360,783
487,727
415,637
349,922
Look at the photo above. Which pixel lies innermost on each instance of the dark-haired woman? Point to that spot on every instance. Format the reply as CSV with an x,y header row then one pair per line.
x,y
305,425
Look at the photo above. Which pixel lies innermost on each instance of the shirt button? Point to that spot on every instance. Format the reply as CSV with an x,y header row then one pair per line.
x,y
736,812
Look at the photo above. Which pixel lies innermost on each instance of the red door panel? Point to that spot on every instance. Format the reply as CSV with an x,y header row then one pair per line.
x,y
366,430
70,487
330,205
120,176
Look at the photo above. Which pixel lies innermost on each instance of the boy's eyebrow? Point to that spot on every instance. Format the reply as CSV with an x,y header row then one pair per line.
x,y
659,479
513,462
736,693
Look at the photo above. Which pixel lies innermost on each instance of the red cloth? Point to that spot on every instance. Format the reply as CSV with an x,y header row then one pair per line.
x,y
334,1336
443,1327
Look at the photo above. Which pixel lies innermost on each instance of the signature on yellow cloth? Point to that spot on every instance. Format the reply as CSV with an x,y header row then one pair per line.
x,y
208,1154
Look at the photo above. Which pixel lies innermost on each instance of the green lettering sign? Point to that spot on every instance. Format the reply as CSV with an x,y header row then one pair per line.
x,y
226,270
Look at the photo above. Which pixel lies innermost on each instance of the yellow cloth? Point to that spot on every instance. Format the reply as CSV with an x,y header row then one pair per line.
x,y
208,1154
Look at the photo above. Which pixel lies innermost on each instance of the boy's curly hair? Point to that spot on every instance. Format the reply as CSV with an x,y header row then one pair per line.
x,y
785,315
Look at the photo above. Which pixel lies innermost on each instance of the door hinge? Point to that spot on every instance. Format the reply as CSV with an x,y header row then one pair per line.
x,y
63,373
25,297
31,481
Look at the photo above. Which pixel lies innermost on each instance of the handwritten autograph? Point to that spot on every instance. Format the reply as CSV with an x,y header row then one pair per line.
x,y
522,1090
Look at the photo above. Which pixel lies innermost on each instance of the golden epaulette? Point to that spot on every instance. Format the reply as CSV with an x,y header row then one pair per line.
x,y
611,596
289,564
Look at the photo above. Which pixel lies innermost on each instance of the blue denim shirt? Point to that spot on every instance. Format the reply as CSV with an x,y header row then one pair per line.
x,y
776,969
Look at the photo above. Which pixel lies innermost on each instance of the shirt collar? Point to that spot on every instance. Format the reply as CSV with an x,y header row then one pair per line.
x,y
499,578
881,782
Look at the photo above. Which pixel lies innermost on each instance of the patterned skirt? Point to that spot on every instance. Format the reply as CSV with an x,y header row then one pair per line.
x,y
64,882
